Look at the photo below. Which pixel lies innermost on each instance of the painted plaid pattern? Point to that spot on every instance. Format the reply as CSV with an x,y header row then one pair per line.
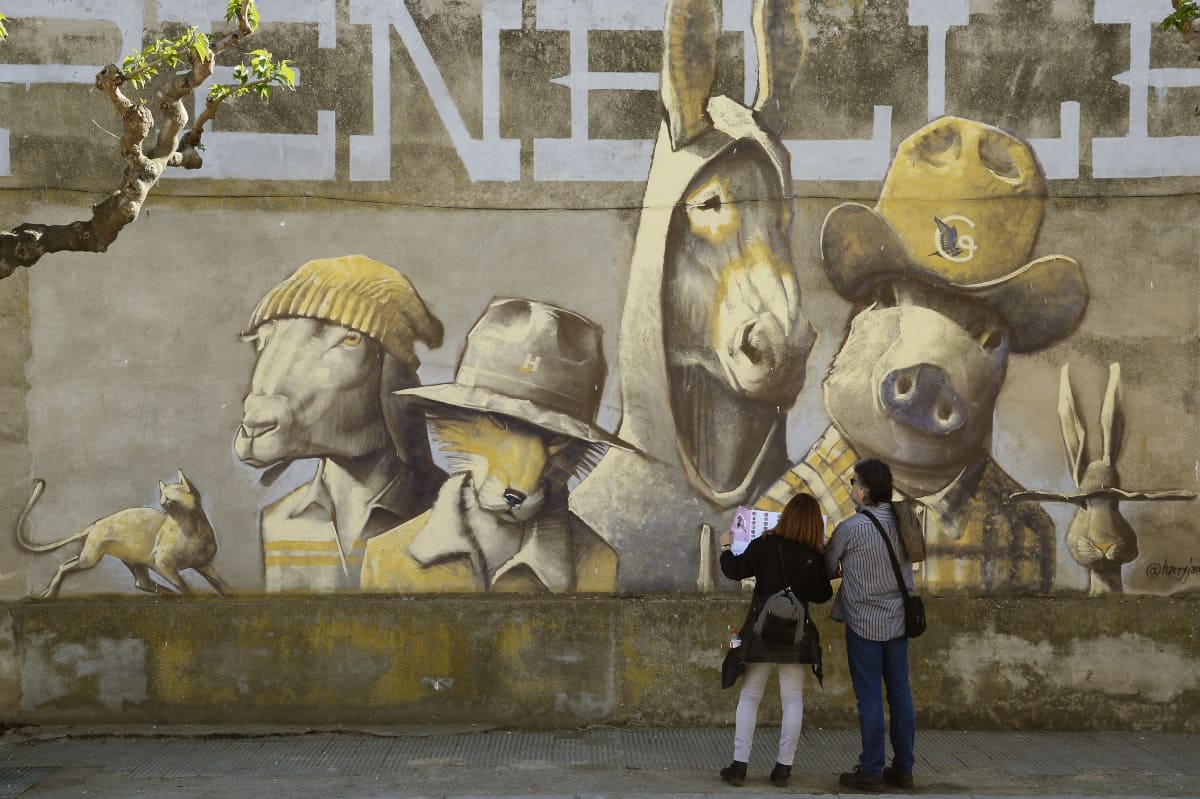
x,y
825,473
976,542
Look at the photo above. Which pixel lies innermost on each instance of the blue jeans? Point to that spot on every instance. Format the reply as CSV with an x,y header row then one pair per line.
x,y
874,664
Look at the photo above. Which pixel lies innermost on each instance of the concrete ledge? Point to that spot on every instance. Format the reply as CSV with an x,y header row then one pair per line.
x,y
1028,663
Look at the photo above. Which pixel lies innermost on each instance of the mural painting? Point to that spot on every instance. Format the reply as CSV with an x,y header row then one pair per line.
x,y
334,341
517,424
1099,538
373,460
944,291
146,540
714,343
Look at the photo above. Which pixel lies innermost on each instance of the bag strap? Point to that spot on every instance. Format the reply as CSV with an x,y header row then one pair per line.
x,y
787,582
891,552
783,566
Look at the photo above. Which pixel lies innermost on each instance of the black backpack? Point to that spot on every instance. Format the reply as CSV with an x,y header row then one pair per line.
x,y
782,619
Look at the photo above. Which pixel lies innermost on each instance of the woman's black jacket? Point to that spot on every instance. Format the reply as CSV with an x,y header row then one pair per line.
x,y
805,570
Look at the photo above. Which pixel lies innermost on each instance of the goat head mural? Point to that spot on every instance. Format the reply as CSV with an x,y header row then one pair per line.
x,y
1099,537
334,340
944,291
714,344
516,424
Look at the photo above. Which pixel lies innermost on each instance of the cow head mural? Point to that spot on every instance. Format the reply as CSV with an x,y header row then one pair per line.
x,y
714,344
334,341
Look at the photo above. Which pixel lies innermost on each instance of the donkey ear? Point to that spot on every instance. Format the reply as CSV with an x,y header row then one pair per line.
x,y
1072,428
1112,418
689,67
780,43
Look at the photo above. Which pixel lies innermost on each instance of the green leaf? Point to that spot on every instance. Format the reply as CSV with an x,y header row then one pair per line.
x,y
3,30
218,92
200,49
286,75
1179,19
234,7
239,74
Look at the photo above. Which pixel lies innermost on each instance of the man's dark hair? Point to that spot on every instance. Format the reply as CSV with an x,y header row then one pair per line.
x,y
875,476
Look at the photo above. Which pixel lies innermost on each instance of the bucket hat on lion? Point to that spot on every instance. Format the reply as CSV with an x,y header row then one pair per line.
x,y
534,362
961,208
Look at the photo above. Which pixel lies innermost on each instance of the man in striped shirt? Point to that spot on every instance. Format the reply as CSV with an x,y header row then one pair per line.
x,y
871,605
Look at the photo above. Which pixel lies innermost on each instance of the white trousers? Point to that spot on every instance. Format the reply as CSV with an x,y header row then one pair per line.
x,y
791,694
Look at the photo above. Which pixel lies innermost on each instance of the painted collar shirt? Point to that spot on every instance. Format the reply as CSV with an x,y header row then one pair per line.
x,y
437,551
301,548
976,540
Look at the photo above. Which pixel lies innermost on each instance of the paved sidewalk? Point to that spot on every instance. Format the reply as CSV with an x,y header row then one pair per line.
x,y
292,763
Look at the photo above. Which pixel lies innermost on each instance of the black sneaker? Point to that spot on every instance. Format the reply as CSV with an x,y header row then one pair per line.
x,y
734,773
780,775
893,776
857,778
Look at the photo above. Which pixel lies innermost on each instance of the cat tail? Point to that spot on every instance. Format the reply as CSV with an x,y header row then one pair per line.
x,y
39,486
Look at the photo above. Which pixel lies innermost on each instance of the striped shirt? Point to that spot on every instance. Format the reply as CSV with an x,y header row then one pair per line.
x,y
869,599
302,548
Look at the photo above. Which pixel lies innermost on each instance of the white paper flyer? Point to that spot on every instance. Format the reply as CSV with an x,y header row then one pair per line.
x,y
749,524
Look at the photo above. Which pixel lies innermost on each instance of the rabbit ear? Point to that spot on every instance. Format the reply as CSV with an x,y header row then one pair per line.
x,y
1112,418
689,67
1072,428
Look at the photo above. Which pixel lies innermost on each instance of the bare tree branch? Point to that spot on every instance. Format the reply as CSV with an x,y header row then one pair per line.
x,y
26,243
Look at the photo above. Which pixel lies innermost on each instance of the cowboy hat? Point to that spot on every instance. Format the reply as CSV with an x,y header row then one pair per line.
x,y
961,208
534,362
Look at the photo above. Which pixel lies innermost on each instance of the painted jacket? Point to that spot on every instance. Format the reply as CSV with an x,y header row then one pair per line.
x,y
302,551
436,552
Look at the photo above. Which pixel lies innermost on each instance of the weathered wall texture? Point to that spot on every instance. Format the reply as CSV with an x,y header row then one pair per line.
x,y
985,663
620,299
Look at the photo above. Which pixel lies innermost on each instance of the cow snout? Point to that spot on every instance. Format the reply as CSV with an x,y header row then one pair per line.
x,y
922,397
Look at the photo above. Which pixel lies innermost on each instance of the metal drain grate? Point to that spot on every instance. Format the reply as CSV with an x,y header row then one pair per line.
x,y
16,781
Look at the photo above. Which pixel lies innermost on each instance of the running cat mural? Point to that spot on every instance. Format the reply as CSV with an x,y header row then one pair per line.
x,y
146,540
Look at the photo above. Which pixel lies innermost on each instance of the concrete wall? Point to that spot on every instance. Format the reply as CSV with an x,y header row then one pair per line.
x,y
984,663
513,149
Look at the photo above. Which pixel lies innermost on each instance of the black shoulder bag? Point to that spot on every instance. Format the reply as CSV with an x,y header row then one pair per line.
x,y
914,608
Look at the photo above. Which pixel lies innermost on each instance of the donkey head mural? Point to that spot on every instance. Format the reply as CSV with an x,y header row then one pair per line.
x,y
714,344
944,291
334,341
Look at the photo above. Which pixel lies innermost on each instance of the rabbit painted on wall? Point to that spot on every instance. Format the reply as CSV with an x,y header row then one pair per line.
x,y
1099,537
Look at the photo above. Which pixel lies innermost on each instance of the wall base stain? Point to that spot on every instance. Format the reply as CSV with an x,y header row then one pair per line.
x,y
1062,663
